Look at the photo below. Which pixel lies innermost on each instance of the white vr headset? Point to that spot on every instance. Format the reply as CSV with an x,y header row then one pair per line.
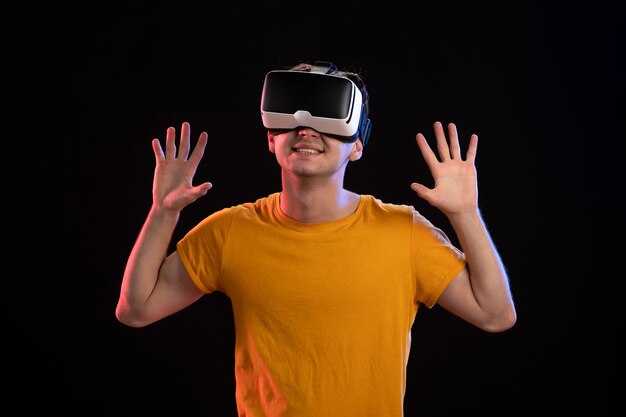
x,y
328,103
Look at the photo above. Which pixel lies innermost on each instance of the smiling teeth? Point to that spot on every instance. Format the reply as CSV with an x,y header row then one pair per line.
x,y
309,151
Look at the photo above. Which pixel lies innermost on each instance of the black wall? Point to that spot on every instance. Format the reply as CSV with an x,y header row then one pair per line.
x,y
89,86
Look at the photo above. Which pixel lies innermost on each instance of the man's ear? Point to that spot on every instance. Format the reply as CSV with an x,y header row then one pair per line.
x,y
270,142
357,150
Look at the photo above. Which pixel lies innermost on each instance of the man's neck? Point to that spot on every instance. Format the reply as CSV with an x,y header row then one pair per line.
x,y
317,202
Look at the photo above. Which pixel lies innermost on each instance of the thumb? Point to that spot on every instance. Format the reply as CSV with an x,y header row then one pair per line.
x,y
203,188
421,190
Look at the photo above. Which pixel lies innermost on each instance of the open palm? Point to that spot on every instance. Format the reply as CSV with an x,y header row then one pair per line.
x,y
456,188
173,176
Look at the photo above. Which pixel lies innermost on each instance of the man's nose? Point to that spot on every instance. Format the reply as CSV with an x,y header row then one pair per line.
x,y
308,132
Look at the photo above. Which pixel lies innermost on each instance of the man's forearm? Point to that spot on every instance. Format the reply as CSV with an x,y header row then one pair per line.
x,y
146,258
488,274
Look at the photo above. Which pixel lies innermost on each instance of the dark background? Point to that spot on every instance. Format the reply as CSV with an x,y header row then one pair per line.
x,y
88,86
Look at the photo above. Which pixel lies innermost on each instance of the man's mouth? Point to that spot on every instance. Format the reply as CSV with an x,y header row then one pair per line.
x,y
307,151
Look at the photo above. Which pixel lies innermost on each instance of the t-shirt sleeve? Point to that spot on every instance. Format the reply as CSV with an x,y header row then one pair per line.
x,y
201,249
435,260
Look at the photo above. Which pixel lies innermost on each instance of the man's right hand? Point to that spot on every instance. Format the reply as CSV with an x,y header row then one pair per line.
x,y
173,187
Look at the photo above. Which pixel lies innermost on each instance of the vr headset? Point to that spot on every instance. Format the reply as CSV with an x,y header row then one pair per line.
x,y
328,103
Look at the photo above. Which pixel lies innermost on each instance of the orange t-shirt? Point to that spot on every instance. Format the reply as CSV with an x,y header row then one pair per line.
x,y
322,312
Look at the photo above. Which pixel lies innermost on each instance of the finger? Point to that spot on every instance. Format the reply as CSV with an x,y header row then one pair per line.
x,y
421,190
442,144
198,151
170,144
183,151
202,189
158,151
455,149
427,153
473,148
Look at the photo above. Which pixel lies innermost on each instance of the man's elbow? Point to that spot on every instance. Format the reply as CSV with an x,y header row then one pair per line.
x,y
126,315
501,323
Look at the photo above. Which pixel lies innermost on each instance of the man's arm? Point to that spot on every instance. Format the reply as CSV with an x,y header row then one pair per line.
x,y
155,285
480,294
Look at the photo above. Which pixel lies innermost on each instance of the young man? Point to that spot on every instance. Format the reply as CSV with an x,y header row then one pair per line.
x,y
324,283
